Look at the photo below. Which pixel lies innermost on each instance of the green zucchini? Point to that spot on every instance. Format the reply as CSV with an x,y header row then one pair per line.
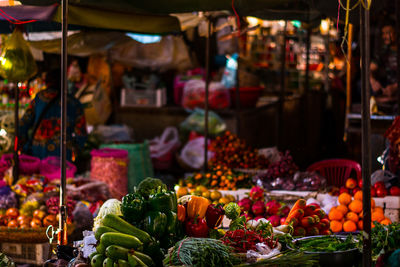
x,y
123,240
117,252
115,222
123,263
108,262
100,248
93,254
135,261
103,229
97,260
145,258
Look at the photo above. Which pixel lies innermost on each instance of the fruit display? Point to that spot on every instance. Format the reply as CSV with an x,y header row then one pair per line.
x,y
347,216
213,196
219,177
39,218
233,152
308,220
300,181
378,189
255,207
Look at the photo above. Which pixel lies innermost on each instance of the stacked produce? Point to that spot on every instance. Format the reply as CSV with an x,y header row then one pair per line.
x,y
378,189
348,215
308,220
233,152
255,207
214,196
219,177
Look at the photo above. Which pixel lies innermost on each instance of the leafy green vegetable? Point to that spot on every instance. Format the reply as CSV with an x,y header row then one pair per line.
x,y
232,210
200,252
288,258
325,244
238,223
148,185
111,206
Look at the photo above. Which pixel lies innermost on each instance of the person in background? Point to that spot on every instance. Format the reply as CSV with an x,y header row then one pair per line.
x,y
383,77
40,127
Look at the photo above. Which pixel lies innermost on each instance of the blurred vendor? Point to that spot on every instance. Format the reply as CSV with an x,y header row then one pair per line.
x,y
383,67
40,127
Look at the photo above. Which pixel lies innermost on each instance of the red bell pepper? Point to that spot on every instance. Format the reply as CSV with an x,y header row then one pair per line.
x,y
214,215
196,227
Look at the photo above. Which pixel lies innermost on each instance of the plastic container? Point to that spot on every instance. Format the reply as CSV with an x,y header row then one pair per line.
x,y
50,167
28,165
248,96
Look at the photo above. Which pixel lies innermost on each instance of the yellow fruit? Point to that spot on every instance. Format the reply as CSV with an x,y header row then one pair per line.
x,y
224,200
206,194
231,198
197,193
201,188
215,195
182,191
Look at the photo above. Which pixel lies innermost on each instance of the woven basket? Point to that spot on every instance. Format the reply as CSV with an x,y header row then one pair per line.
x,y
28,235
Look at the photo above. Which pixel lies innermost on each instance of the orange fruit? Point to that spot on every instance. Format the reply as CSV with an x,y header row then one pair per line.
x,y
351,183
360,225
335,214
356,206
349,226
344,198
336,226
378,209
361,214
377,217
358,195
343,209
386,221
352,216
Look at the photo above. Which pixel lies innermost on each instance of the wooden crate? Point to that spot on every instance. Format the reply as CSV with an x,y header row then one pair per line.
x,y
389,202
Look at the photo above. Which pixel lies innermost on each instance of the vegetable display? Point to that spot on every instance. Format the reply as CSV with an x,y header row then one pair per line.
x,y
243,240
329,243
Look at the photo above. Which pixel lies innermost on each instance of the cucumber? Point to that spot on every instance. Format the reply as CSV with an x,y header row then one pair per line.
x,y
123,240
144,258
97,260
108,262
103,229
135,261
117,252
100,249
123,263
92,255
115,222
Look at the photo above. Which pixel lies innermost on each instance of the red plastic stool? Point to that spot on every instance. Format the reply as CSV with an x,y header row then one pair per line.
x,y
336,171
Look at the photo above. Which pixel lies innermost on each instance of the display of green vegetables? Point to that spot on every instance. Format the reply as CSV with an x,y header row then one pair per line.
x,y
201,252
329,243
287,258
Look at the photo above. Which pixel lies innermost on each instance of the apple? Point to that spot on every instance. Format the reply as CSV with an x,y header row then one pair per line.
x,y
379,185
343,190
39,214
12,213
355,190
395,191
36,223
360,183
12,224
351,183
381,192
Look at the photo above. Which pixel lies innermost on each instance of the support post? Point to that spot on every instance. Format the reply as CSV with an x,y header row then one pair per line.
x,y
62,235
398,53
348,80
205,167
365,133
282,89
16,134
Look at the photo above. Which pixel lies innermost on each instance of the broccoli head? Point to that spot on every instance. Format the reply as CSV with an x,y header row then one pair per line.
x,y
149,184
232,210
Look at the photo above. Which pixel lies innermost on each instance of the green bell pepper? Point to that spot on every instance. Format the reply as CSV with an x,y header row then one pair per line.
x,y
133,207
163,201
172,220
155,223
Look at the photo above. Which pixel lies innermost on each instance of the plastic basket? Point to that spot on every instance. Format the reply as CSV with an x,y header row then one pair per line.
x,y
51,169
28,165
140,164
336,171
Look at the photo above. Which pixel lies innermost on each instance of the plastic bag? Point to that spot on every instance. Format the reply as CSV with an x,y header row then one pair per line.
x,y
194,95
193,153
16,61
162,148
115,133
195,122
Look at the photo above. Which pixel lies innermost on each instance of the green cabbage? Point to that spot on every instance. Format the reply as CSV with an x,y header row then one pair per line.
x,y
111,206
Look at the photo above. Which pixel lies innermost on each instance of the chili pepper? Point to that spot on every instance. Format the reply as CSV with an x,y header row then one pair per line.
x,y
133,207
196,227
197,207
155,223
181,213
162,200
214,215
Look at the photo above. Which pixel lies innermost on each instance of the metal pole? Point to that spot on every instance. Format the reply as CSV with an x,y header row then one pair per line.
x,y
16,137
237,89
398,54
365,134
282,91
62,236
308,48
348,80
206,98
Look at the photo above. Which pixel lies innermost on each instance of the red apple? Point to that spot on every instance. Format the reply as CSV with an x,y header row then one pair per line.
x,y
373,192
343,190
379,185
360,183
395,191
355,190
351,183
381,192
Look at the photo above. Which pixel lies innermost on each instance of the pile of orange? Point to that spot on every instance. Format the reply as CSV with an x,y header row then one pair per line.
x,y
347,217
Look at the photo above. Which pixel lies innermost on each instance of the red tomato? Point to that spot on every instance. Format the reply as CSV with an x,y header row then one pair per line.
x,y
373,192
395,191
12,213
381,192
360,183
12,224
379,185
